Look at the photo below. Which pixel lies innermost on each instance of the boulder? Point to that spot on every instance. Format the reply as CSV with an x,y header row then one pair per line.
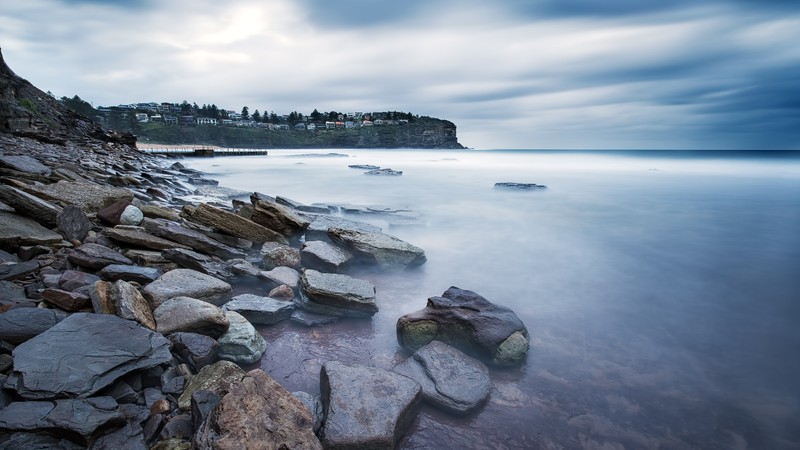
x,y
260,310
131,215
470,323
159,212
187,283
217,378
387,252
30,205
123,300
83,354
196,350
66,300
73,223
17,230
192,238
241,344
96,256
21,324
258,413
64,418
365,407
125,272
235,225
275,255
24,163
72,280
336,295
89,197
450,379
137,237
324,257
282,276
282,292
276,217
199,262
190,315
318,228
110,215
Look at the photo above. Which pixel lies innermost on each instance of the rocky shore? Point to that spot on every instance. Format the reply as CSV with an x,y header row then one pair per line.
x,y
132,291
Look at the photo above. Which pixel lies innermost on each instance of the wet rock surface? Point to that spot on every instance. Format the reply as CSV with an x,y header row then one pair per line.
x,y
519,186
260,310
387,252
241,343
336,295
187,283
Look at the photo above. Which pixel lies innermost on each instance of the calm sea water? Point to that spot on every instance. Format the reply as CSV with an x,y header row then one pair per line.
x,y
661,289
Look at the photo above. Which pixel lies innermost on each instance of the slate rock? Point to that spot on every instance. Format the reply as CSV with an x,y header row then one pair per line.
x,y
282,292
110,215
235,225
17,230
450,379
318,228
310,319
137,237
192,238
314,406
203,402
282,275
24,163
241,344
177,427
36,441
21,324
199,262
470,323
89,197
15,271
72,280
324,257
66,300
29,205
277,217
187,283
73,223
336,295
275,255
123,300
519,186
67,417
366,407
159,212
127,272
258,413
190,315
196,350
217,378
83,354
260,310
384,172
128,437
387,252
96,256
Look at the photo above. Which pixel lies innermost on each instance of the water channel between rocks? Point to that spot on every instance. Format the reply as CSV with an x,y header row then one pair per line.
x,y
660,290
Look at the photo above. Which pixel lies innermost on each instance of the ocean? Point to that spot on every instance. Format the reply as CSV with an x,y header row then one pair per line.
x,y
661,289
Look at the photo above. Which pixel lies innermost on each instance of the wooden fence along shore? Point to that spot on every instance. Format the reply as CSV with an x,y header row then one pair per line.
x,y
204,151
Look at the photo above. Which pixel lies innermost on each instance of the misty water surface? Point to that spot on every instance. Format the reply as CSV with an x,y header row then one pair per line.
x,y
661,290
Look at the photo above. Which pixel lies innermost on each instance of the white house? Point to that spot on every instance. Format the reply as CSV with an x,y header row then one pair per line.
x,y
206,121
142,117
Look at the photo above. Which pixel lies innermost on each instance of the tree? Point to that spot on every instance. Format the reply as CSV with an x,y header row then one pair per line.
x,y
257,116
186,108
245,113
273,117
315,115
213,111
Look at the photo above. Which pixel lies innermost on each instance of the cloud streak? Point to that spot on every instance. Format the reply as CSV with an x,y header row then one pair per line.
x,y
551,74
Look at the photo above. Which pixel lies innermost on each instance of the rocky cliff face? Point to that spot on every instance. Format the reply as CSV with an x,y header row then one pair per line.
x,y
28,112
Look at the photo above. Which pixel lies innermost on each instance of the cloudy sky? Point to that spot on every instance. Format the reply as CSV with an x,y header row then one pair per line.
x,y
683,74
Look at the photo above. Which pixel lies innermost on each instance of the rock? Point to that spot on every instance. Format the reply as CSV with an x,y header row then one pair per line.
x,y
29,205
450,379
73,223
310,319
324,257
16,230
24,163
110,215
366,407
258,413
388,252
96,256
277,217
21,324
203,402
337,294
27,253
261,310
364,166
68,417
241,343
137,237
128,437
123,300
282,275
72,280
384,172
138,274
11,291
131,216
519,186
275,255
89,197
243,268
14,271
194,239
217,378
66,300
177,427
147,258
83,354
199,262
235,225
314,406
282,292
470,323
318,228
159,212
36,441
190,315
197,350
187,283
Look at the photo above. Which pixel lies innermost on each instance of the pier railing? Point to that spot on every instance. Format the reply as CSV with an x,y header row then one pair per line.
x,y
204,151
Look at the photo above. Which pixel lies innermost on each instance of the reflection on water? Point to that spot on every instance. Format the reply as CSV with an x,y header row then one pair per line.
x,y
661,290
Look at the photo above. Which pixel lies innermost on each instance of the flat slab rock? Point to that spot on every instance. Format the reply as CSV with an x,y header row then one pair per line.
x,y
519,186
16,230
387,252
96,256
260,310
365,407
187,283
89,197
450,379
83,354
469,322
337,294
21,324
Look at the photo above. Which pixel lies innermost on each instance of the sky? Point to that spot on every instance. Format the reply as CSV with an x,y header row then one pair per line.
x,y
555,74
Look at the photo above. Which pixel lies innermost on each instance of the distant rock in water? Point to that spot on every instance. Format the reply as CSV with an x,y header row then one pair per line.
x,y
385,172
519,186
318,155
364,166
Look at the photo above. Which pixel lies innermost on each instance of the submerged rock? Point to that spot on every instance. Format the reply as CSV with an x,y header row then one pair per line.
x,y
519,186
260,310
384,172
387,252
470,323
336,295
